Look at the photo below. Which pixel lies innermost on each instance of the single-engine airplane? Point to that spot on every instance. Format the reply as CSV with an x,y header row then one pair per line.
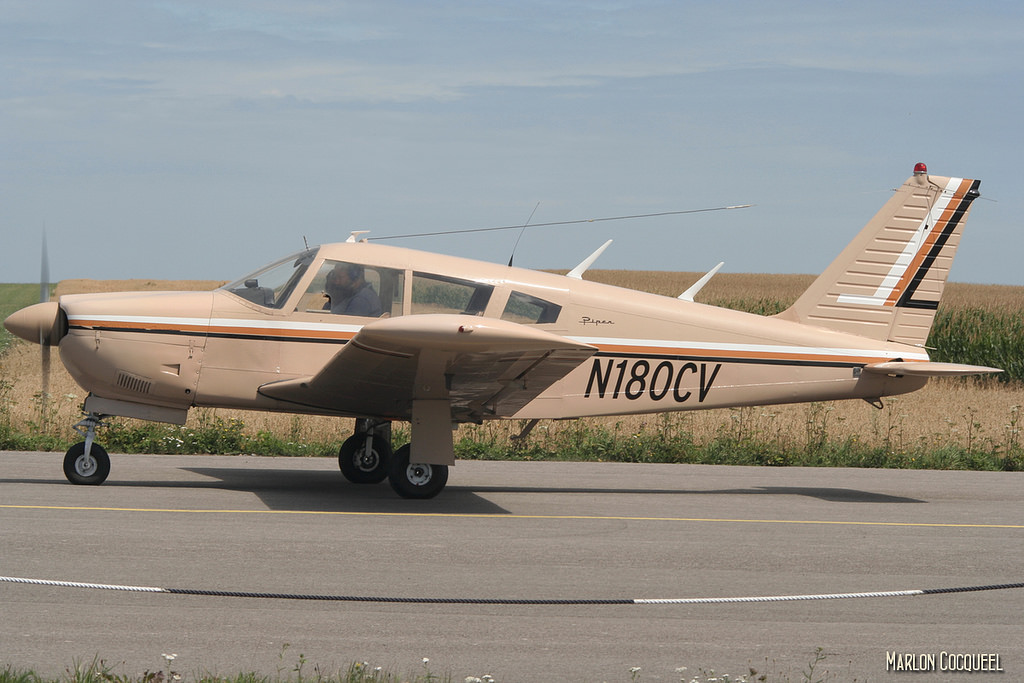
x,y
387,334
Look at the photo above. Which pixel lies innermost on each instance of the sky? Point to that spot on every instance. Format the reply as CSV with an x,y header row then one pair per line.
x,y
200,140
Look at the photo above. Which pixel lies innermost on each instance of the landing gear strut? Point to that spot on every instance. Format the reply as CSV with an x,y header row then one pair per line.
x,y
366,458
87,462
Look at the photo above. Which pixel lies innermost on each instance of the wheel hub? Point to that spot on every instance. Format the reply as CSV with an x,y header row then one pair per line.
x,y
368,462
85,465
419,474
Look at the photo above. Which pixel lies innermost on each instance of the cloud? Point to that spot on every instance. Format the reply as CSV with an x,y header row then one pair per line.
x,y
194,119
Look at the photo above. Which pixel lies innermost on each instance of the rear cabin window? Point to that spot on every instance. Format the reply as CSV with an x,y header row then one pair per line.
x,y
442,294
525,308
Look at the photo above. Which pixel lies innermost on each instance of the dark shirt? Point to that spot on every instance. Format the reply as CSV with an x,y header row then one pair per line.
x,y
364,302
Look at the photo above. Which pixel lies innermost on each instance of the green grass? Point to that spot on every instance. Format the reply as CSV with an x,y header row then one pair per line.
x,y
662,441
666,442
98,671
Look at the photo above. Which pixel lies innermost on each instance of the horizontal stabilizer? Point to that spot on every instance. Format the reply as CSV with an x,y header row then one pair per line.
x,y
928,369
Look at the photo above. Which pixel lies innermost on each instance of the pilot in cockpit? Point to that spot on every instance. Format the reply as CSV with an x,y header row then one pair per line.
x,y
350,293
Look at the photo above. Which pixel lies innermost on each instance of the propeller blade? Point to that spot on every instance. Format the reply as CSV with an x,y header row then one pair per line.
x,y
44,385
44,274
44,346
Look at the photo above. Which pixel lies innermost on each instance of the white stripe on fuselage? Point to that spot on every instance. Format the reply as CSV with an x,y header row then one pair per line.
x,y
683,348
702,348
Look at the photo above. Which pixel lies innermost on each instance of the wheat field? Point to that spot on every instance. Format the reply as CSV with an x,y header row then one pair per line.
x,y
785,289
963,412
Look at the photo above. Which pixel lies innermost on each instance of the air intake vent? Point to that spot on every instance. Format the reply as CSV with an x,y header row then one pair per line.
x,y
139,385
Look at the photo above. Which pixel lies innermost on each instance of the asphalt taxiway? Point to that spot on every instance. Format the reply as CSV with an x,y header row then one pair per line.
x,y
508,531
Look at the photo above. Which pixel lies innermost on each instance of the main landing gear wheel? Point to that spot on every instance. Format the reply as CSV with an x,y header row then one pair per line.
x,y
90,469
415,480
361,466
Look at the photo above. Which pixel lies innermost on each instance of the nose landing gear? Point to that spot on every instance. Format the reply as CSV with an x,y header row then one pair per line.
x,y
87,462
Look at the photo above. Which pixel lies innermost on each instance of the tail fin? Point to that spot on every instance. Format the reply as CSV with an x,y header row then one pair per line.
x,y
887,283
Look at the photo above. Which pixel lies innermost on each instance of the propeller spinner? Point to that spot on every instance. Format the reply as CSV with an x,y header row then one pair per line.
x,y
43,323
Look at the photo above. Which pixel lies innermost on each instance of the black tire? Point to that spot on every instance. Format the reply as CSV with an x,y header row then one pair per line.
x,y
416,480
360,468
91,471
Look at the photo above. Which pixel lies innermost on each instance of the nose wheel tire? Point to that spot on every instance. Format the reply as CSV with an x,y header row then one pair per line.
x,y
90,469
415,480
360,466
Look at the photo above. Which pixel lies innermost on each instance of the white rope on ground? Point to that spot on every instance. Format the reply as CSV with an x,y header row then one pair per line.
x,y
75,584
776,598
511,601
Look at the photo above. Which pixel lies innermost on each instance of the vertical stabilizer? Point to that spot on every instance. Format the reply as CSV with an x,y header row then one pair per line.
x,y
887,283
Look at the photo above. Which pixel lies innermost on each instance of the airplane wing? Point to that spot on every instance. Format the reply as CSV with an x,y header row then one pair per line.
x,y
483,367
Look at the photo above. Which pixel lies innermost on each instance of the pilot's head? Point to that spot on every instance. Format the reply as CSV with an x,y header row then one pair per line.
x,y
343,278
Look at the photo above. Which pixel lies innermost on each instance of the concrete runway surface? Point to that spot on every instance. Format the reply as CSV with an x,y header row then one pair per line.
x,y
510,530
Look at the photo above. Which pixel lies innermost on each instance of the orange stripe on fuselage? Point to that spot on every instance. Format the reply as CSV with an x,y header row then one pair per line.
x,y
283,333
134,326
214,329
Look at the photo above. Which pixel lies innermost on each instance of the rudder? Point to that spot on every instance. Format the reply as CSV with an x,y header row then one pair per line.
x,y
886,284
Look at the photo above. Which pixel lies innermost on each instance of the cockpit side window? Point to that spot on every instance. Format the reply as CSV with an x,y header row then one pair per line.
x,y
525,308
346,288
443,294
271,286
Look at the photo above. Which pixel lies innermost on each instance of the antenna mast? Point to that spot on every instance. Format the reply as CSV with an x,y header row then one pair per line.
x,y
521,231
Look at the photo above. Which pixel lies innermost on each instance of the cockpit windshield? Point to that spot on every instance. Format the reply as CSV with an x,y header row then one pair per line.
x,y
272,285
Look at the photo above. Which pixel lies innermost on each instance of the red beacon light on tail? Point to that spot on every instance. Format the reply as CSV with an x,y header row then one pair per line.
x,y
920,169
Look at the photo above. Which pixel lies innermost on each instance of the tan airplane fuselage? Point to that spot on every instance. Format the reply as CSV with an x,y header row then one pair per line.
x,y
653,353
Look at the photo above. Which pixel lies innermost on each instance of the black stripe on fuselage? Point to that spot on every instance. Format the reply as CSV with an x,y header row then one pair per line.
x,y
212,335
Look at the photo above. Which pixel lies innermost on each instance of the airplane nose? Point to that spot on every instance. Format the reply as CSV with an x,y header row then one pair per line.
x,y
43,323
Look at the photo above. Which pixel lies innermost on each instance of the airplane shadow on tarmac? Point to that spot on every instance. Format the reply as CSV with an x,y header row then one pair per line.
x,y
835,495
314,491
320,491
